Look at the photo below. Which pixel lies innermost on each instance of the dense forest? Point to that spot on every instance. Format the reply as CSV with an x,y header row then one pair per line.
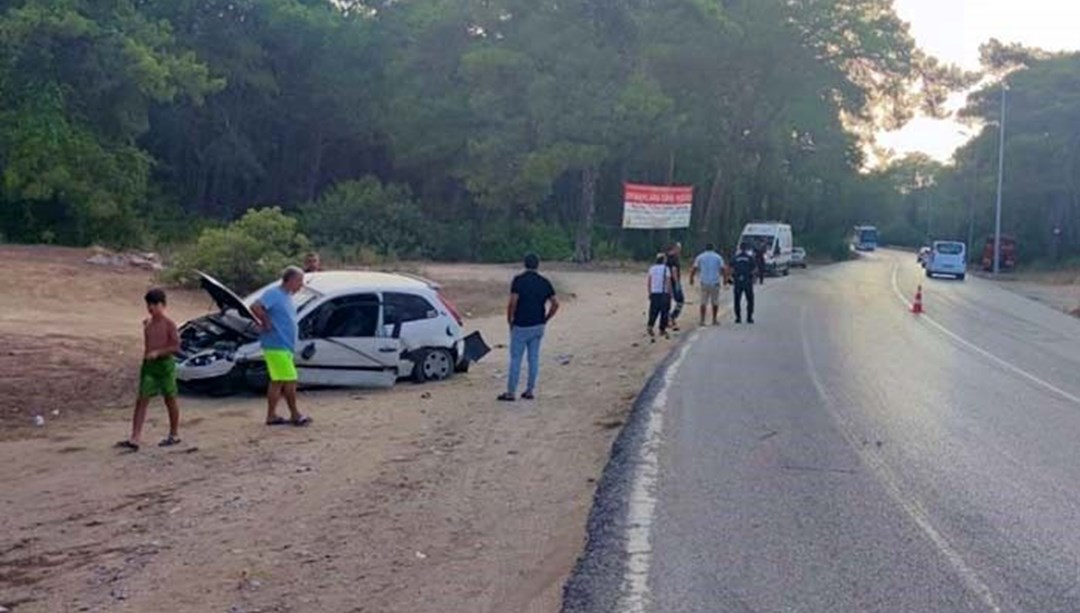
x,y
472,129
1041,180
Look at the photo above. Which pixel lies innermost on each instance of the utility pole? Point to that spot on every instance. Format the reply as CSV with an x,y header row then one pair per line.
x,y
929,215
1000,180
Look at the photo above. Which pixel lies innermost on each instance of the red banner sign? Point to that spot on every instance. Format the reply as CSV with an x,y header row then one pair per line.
x,y
649,207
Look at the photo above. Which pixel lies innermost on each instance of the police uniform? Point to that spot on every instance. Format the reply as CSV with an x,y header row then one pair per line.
x,y
743,266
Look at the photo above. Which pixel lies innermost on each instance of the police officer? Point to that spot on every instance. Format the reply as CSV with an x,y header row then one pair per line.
x,y
743,268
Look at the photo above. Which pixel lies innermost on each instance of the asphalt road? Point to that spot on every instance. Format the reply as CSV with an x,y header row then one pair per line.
x,y
843,454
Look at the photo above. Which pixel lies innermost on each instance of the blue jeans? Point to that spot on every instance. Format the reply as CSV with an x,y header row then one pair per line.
x,y
522,340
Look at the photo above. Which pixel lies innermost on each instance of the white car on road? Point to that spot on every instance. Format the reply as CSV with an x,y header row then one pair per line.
x,y
947,258
798,257
356,329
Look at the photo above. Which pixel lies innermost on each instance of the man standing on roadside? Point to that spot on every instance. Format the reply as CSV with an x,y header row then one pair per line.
x,y
659,284
312,262
674,255
743,267
759,261
709,265
276,315
532,305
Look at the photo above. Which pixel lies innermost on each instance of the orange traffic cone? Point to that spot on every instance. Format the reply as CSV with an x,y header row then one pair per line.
x,y
916,307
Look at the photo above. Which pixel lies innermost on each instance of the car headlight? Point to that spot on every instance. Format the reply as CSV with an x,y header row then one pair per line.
x,y
207,359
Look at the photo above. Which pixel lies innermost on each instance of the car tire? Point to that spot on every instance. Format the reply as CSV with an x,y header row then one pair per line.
x,y
256,377
960,277
433,365
929,274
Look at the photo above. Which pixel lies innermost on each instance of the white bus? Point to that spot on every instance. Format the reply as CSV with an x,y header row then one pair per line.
x,y
864,238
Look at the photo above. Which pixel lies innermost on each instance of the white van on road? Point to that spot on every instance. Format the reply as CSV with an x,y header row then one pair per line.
x,y
776,239
947,258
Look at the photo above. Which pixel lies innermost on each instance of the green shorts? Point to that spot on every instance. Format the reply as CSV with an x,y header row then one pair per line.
x,y
158,378
279,362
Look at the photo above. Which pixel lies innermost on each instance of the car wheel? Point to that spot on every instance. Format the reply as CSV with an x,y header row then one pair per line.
x,y
433,365
960,277
256,377
462,367
929,274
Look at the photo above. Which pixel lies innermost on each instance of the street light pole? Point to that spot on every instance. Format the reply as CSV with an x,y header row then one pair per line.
x,y
1000,181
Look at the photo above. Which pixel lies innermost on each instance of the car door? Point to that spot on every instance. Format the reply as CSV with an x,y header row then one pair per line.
x,y
342,344
417,319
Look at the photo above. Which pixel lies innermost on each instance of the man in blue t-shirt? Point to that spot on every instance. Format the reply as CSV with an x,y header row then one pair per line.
x,y
532,305
276,316
709,266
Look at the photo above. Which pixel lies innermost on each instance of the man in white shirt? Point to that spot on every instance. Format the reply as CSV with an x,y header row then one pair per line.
x,y
709,266
659,284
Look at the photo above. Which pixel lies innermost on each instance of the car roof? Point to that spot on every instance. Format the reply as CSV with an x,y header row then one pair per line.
x,y
336,282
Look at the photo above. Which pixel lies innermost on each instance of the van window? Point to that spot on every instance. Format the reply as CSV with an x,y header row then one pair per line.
x,y
758,241
949,248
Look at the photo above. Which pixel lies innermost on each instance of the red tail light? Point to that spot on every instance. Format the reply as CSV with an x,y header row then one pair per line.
x,y
453,310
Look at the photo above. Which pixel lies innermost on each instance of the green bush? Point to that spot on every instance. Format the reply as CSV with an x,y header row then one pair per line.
x,y
840,251
366,213
244,255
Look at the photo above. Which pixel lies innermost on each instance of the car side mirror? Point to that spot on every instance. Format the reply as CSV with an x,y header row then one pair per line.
x,y
308,351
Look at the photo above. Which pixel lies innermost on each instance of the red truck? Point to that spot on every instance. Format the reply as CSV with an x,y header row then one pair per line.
x,y
1008,253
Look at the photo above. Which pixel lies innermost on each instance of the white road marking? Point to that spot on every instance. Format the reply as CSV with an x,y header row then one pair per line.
x,y
910,505
979,350
635,597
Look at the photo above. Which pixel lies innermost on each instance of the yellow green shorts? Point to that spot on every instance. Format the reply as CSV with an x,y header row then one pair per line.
x,y
158,378
279,362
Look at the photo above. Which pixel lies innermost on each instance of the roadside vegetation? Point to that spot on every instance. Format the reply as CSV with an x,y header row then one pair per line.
x,y
446,130
920,198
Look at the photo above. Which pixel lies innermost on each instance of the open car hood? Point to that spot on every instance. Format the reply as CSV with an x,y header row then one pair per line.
x,y
224,297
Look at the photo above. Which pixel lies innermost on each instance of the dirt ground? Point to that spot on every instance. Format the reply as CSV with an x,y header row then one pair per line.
x,y
1060,289
422,498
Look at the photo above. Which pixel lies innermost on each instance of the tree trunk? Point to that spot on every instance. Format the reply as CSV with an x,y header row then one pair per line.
x,y
711,202
583,244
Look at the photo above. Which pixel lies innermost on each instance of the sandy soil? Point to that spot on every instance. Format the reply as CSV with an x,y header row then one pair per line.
x,y
1060,290
422,498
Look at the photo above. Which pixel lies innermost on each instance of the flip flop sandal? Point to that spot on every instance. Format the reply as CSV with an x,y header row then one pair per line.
x,y
169,441
528,396
506,398
278,421
303,421
127,445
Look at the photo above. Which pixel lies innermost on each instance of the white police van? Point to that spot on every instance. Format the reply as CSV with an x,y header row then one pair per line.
x,y
775,239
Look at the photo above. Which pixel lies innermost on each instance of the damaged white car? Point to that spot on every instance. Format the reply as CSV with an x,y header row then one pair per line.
x,y
356,329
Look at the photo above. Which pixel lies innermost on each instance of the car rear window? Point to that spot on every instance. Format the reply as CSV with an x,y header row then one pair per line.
x,y
407,307
949,248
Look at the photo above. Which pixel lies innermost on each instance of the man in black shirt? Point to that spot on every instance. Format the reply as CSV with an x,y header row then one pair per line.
x,y
532,305
674,263
759,261
743,267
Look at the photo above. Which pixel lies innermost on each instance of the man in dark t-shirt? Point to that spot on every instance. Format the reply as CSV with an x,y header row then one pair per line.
x,y
532,304
674,262
743,270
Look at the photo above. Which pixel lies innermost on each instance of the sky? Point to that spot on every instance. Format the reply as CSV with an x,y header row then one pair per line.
x,y
952,30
